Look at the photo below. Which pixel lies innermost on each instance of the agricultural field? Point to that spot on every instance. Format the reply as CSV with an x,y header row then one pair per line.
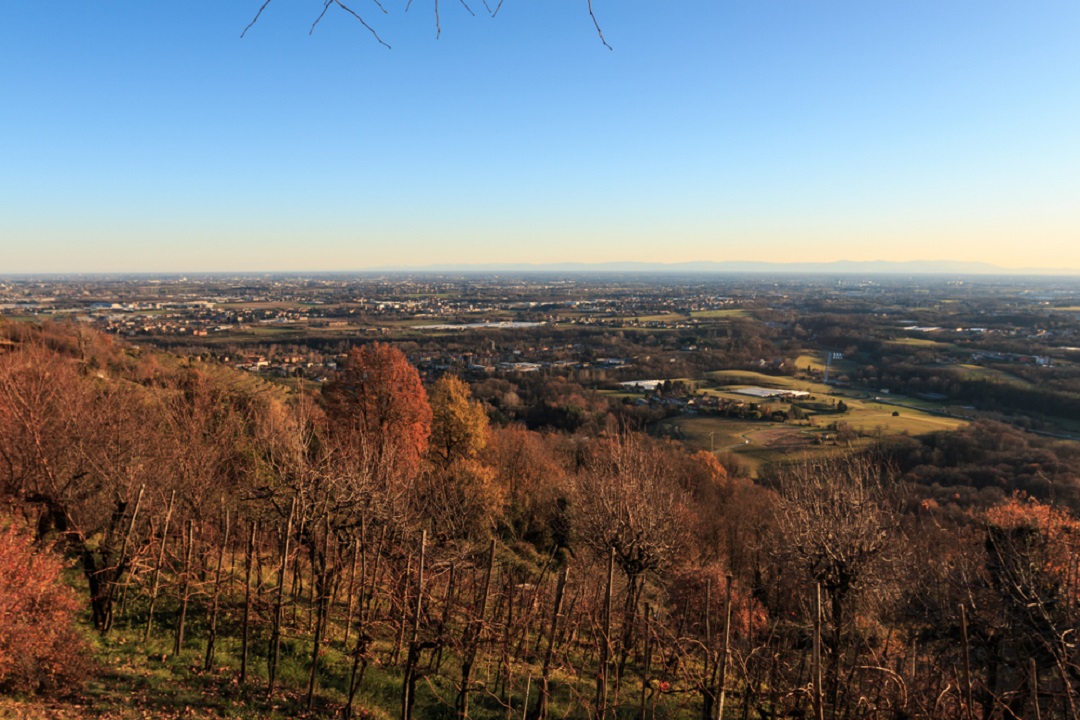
x,y
817,364
980,372
720,314
761,442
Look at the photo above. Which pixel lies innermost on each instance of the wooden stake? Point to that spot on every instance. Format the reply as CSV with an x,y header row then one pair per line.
x,y
969,712
727,648
156,583
247,603
212,636
275,636
819,710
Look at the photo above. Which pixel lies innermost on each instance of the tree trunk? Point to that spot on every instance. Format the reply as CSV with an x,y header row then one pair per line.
x,y
471,641
605,644
275,635
246,637
408,686
212,636
156,582
185,588
545,692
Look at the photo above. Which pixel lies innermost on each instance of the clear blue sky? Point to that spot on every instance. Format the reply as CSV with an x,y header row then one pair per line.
x,y
148,136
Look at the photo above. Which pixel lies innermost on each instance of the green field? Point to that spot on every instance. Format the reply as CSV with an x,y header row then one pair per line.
x,y
759,443
921,342
817,364
710,314
665,317
749,377
978,372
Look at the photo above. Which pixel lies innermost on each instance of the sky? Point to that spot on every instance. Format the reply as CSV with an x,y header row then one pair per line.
x,y
152,137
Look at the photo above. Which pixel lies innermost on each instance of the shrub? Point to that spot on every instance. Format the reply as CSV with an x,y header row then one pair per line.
x,y
40,649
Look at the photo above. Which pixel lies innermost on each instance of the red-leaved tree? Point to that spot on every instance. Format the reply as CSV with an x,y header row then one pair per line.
x,y
379,402
40,651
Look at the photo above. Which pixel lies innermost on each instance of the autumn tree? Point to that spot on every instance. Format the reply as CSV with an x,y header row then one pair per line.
x,y
534,487
458,493
378,401
78,448
459,425
40,649
1031,564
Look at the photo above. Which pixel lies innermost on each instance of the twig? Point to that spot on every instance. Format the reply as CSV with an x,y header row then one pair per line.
x,y
325,7
438,27
497,8
349,10
595,24
256,18
466,6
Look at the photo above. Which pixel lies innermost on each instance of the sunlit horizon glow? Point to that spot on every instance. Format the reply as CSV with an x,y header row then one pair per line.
x,y
148,138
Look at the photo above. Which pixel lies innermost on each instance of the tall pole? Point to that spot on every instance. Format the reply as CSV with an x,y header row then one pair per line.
x,y
819,711
727,651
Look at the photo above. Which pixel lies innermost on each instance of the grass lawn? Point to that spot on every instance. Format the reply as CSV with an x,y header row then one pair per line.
x,y
816,363
978,372
666,317
869,415
922,342
725,378
712,314
760,443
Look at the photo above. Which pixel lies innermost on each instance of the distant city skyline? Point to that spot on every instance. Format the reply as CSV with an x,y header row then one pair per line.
x,y
141,137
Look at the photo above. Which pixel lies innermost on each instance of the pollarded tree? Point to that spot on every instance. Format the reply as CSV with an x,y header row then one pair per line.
x,y
628,507
626,500
838,521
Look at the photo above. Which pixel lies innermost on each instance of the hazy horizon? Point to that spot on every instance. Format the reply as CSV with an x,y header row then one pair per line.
x,y
869,269
151,138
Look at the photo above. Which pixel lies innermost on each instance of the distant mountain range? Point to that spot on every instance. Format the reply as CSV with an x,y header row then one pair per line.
x,y
870,267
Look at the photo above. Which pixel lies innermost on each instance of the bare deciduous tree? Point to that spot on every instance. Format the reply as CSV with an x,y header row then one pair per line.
x,y
838,521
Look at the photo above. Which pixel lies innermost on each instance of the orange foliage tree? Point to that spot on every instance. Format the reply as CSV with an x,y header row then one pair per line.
x,y
378,398
40,651
534,487
1032,552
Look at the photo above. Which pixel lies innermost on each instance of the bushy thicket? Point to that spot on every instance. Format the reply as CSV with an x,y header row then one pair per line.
x,y
40,648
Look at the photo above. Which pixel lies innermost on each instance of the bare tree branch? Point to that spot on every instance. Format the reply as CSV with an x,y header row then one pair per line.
x,y
438,20
255,19
325,7
595,24
349,10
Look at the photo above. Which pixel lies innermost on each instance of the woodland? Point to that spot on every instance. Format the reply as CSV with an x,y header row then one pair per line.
x,y
179,538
